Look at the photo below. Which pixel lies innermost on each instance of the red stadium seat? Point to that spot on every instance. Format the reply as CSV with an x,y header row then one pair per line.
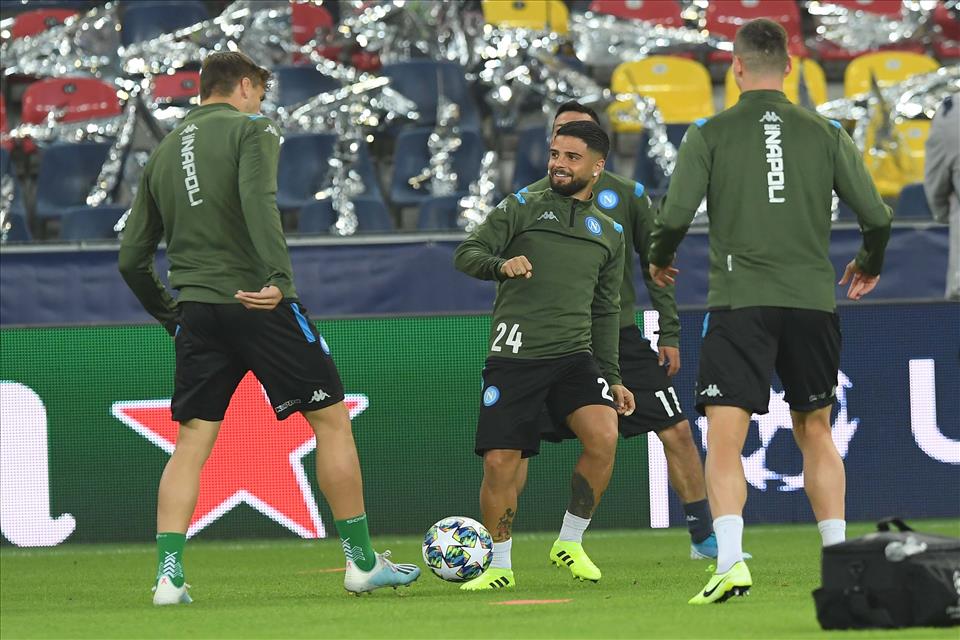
x,y
663,12
6,143
31,23
177,87
80,98
947,43
724,17
306,19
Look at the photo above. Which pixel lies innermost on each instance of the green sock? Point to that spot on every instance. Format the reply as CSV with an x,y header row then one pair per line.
x,y
170,557
355,538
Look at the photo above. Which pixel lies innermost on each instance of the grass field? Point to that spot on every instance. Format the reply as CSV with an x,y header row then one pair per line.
x,y
293,589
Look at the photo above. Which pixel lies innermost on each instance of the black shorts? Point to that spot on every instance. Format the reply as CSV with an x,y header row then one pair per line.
x,y
217,344
743,347
658,406
515,392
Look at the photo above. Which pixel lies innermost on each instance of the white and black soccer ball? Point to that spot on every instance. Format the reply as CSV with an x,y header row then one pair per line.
x,y
457,549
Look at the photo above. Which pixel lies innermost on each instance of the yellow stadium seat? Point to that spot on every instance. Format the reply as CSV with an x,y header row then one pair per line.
x,y
901,163
550,15
889,67
680,87
813,77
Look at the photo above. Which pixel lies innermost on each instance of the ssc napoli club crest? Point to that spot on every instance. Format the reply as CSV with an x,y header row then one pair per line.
x,y
593,225
608,199
490,396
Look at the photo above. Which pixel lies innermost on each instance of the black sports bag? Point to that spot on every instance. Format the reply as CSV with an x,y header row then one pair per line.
x,y
890,579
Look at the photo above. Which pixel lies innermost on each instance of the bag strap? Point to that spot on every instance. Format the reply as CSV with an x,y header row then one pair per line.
x,y
884,525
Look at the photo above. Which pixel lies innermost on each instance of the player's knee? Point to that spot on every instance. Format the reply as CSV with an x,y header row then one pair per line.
x,y
602,441
677,437
501,465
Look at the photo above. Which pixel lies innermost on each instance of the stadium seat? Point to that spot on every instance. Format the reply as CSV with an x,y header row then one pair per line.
x,y
681,88
411,157
893,166
146,20
888,9
440,213
5,143
813,77
544,15
645,169
665,13
6,168
299,83
373,215
316,217
181,86
530,163
304,164
946,43
90,223
18,231
66,176
417,81
79,98
306,19
30,23
912,203
913,134
889,67
724,17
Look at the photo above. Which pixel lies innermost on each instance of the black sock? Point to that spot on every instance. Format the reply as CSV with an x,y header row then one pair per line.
x,y
699,521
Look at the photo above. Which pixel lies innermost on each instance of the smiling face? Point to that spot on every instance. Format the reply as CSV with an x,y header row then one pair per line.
x,y
572,166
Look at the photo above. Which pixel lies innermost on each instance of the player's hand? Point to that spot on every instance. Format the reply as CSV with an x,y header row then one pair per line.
x,y
264,300
671,356
860,283
518,267
623,398
663,276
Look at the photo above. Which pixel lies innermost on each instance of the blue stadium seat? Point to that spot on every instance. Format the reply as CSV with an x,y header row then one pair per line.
x,y
90,223
67,173
6,168
298,83
645,170
18,232
303,167
913,203
440,213
417,81
316,217
146,20
531,158
373,215
411,157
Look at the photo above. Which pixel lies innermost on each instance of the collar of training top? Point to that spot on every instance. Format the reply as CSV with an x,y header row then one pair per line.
x,y
556,196
213,107
766,95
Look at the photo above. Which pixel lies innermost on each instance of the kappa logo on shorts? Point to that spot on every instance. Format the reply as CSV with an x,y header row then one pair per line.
x,y
711,391
608,199
593,226
319,395
490,396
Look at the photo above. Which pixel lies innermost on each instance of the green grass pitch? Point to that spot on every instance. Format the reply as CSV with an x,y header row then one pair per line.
x,y
294,589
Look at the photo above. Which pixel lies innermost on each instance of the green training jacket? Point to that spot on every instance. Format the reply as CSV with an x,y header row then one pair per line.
x,y
767,168
572,302
209,190
626,202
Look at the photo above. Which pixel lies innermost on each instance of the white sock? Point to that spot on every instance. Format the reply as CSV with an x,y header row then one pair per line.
x,y
501,555
573,528
729,530
832,531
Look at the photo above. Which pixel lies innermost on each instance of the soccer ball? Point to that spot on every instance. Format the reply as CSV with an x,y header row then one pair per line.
x,y
457,549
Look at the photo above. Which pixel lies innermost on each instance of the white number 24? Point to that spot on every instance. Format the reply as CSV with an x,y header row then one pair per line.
x,y
513,338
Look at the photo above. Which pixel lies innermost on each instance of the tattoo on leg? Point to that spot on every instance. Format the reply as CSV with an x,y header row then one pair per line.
x,y
581,497
505,526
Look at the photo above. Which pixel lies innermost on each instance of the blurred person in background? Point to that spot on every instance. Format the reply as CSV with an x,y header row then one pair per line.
x,y
941,181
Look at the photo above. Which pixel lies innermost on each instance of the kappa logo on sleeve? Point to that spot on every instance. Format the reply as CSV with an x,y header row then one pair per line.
x,y
271,129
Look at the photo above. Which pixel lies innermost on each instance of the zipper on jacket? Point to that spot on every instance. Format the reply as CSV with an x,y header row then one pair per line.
x,y
573,208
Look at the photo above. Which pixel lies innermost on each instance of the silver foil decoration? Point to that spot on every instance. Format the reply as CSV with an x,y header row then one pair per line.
x,y
857,30
7,193
475,207
83,45
442,143
112,168
659,148
604,40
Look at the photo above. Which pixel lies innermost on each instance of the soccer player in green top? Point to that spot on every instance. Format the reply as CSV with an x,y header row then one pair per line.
x,y
209,190
767,168
642,368
558,262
